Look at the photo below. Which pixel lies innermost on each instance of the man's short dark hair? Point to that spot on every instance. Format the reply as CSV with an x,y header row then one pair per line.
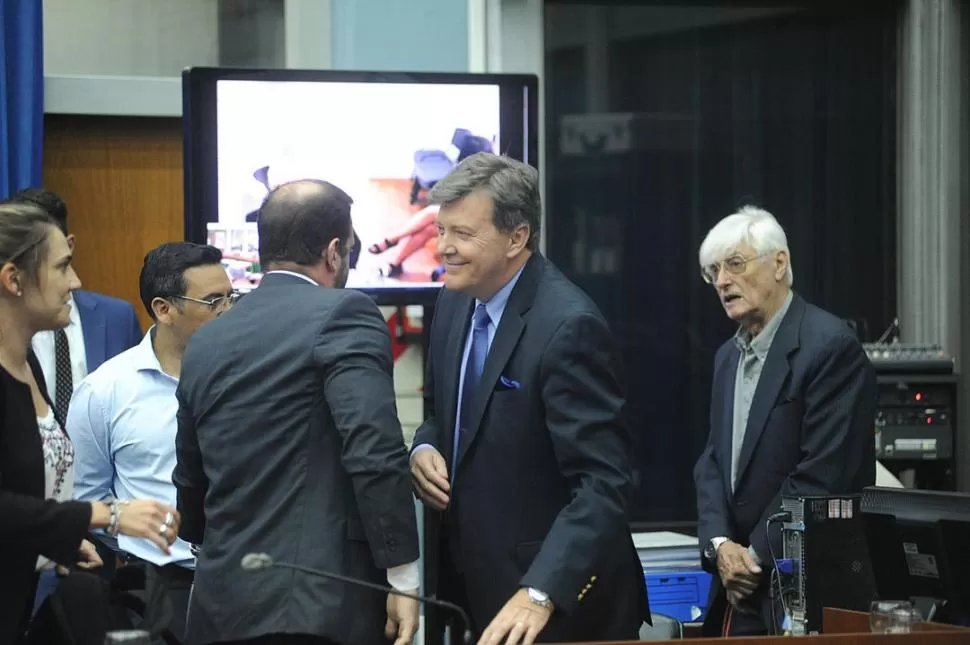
x,y
163,272
298,220
48,201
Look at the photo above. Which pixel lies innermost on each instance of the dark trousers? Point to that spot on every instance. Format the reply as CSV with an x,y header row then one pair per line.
x,y
737,623
167,591
452,588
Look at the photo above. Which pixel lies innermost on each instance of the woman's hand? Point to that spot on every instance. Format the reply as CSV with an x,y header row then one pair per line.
x,y
88,558
149,519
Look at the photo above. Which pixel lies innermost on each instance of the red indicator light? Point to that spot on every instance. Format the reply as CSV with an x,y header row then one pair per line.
x,y
919,396
929,420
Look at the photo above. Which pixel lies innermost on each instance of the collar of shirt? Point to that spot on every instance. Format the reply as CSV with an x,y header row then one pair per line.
x,y
495,306
761,343
295,275
143,356
75,314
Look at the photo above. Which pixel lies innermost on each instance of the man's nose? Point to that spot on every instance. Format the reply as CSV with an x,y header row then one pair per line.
x,y
723,278
444,246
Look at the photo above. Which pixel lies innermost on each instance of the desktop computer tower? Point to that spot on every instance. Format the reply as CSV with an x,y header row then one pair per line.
x,y
824,561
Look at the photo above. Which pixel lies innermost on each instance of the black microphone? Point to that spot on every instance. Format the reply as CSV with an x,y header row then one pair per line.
x,y
260,561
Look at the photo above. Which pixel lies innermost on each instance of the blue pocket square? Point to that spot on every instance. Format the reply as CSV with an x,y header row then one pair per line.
x,y
509,383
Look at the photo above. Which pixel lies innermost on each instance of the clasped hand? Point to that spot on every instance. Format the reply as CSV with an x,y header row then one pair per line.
x,y
739,573
88,559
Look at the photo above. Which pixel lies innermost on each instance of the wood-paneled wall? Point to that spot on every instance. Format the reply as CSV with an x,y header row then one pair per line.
x,y
122,181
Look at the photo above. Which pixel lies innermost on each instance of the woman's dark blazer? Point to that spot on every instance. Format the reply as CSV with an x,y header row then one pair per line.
x,y
29,525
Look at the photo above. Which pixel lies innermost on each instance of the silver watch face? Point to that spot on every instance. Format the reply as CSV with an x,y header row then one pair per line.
x,y
538,597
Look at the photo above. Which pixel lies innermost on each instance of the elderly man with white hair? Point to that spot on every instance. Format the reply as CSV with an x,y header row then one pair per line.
x,y
792,409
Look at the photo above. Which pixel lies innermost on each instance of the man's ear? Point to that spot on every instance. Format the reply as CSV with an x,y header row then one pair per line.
x,y
332,254
163,310
781,265
519,239
70,241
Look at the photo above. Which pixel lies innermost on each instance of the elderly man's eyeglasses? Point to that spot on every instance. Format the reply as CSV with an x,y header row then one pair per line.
x,y
735,265
215,304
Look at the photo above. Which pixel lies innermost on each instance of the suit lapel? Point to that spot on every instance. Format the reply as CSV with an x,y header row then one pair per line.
x,y
503,344
454,350
773,377
94,330
726,379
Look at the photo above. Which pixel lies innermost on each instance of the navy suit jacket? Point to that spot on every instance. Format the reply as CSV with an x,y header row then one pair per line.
x,y
110,326
541,484
809,432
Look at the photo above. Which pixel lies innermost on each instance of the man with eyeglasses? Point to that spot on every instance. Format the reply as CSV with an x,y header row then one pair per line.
x,y
122,416
792,408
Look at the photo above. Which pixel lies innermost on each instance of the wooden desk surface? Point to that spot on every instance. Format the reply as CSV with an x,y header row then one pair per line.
x,y
843,627
844,621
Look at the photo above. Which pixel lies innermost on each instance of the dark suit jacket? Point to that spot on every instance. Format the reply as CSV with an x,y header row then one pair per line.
x,y
542,483
809,432
288,443
109,326
30,525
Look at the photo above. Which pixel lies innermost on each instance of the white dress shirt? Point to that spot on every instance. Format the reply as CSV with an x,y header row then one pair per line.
x,y
43,345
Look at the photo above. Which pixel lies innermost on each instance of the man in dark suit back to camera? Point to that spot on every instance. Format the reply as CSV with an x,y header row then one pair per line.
x,y
792,408
289,444
526,454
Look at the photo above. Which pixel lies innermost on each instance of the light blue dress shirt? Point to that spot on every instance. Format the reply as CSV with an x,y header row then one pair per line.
x,y
122,424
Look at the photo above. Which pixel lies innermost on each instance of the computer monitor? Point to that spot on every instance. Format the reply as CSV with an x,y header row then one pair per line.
x,y
384,138
919,545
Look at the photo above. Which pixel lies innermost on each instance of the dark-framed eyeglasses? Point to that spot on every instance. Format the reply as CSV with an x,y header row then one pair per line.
x,y
735,265
215,304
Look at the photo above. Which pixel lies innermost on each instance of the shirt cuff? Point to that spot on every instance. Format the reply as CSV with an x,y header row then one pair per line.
x,y
406,577
422,446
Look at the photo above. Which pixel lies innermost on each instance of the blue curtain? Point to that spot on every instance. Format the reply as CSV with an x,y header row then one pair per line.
x,y
21,95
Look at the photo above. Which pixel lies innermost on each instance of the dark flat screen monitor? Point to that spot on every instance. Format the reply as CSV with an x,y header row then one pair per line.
x,y
919,544
384,138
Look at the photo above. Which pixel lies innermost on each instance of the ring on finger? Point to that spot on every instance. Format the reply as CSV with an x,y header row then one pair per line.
x,y
163,530
169,518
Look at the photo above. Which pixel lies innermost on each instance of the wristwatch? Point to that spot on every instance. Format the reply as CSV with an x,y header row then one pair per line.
x,y
539,598
710,551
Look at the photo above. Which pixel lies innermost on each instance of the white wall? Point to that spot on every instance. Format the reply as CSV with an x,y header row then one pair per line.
x,y
129,37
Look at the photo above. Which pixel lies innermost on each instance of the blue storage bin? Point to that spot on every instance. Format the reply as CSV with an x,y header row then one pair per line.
x,y
680,594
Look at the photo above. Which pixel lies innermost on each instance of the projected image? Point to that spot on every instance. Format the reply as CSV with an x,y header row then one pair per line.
x,y
386,145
